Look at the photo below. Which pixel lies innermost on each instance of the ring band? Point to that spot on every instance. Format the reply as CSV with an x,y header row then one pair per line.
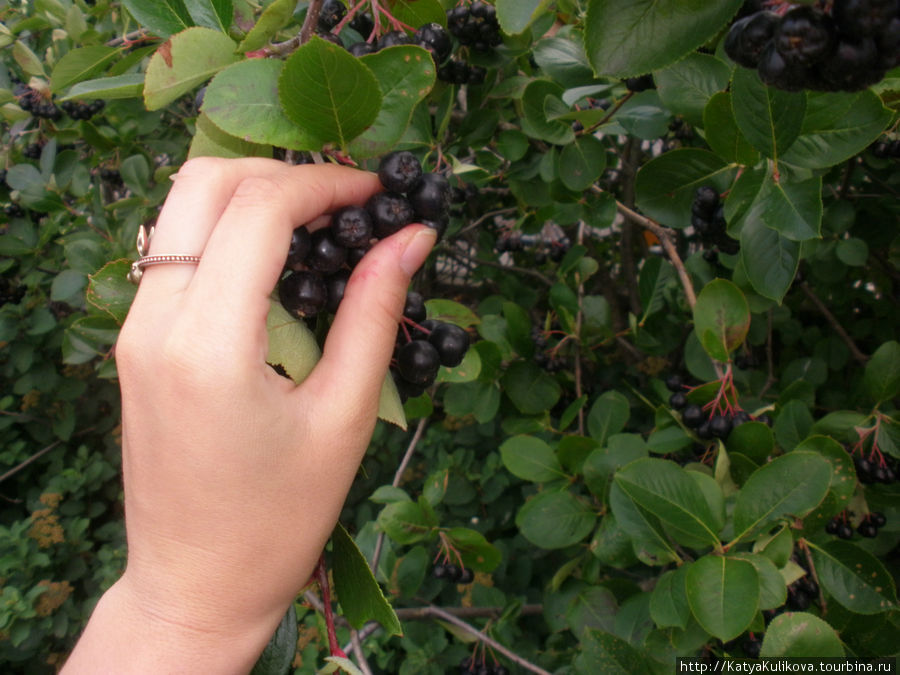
x,y
143,242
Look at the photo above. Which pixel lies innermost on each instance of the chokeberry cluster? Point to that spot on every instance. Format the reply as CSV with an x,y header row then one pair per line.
x,y
708,220
887,149
475,25
471,666
705,424
841,527
870,471
318,265
79,110
452,573
848,48
40,106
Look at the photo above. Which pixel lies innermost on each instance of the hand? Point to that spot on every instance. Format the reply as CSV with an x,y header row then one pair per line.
x,y
234,477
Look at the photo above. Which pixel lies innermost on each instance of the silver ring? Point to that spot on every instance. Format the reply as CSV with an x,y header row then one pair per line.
x,y
143,242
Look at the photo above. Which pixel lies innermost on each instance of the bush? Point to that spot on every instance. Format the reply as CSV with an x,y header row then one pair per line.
x,y
675,433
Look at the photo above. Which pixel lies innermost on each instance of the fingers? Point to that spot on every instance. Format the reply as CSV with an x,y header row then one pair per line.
x,y
246,251
199,195
360,341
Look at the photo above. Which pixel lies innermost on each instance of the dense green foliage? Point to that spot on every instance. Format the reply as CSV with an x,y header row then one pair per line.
x,y
609,530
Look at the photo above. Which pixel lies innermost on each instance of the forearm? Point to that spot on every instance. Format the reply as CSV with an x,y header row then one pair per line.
x,y
123,637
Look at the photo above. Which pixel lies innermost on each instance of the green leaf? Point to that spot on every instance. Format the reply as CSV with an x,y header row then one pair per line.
x,y
210,141
769,259
608,415
531,459
467,371
665,186
791,208
790,486
852,252
721,318
328,92
515,16
800,635
555,519
450,311
215,14
279,653
792,424
535,122
722,132
611,545
669,605
476,551
406,75
752,439
837,127
882,375
184,62
602,463
772,586
601,652
274,17
649,540
481,399
633,37
110,291
107,88
667,491
28,60
581,163
854,578
685,87
723,594
418,12
360,595
562,57
406,522
655,276
530,388
292,345
518,329
242,100
161,17
80,64
769,118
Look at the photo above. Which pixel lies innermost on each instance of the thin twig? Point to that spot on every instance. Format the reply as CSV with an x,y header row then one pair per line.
x,y
437,612
22,465
606,118
311,21
830,318
487,216
398,476
356,644
462,257
128,38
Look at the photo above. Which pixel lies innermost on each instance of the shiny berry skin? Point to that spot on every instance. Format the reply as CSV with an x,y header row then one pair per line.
x,y
749,36
867,529
804,35
845,531
678,400
361,49
466,576
451,343
674,383
351,227
693,416
330,14
394,38
418,362
878,518
363,24
414,309
300,246
776,71
720,426
430,196
398,171
642,83
390,212
325,255
435,39
452,572
336,284
303,294
832,526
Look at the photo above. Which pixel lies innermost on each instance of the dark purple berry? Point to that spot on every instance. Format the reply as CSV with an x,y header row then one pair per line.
x,y
720,426
845,531
693,416
430,196
642,83
352,227
749,36
466,576
330,14
336,284
451,342
414,309
394,38
434,38
390,213
303,294
867,529
678,400
805,35
325,255
418,362
300,245
361,49
398,171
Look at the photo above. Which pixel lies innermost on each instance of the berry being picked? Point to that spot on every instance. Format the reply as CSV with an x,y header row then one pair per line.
x,y
390,212
804,35
418,362
430,196
414,309
336,284
451,343
303,294
300,245
325,254
399,171
352,227
749,36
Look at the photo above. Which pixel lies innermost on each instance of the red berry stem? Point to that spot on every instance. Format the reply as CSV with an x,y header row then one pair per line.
x,y
324,585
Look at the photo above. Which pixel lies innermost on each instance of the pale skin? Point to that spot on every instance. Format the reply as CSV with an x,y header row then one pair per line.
x,y
234,477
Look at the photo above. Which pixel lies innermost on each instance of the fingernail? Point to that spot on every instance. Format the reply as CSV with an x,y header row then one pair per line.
x,y
417,249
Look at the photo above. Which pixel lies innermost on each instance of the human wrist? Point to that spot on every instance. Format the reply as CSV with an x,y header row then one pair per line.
x,y
127,634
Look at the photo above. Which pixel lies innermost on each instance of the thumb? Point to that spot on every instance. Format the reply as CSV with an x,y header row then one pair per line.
x,y
361,339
